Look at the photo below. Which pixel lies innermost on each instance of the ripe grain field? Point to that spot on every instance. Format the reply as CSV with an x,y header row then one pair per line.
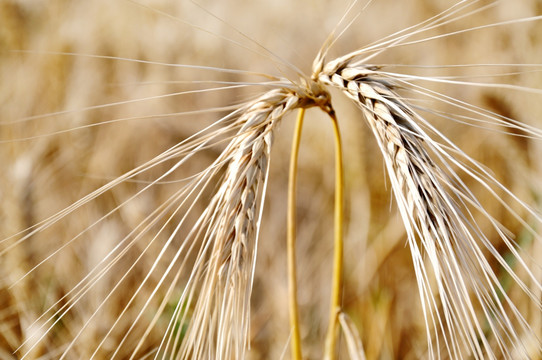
x,y
147,185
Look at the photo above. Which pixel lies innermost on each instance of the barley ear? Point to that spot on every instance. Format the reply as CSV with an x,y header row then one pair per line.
x,y
219,325
443,236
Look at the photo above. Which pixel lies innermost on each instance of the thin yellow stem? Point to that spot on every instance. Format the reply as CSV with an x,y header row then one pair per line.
x,y
291,239
336,290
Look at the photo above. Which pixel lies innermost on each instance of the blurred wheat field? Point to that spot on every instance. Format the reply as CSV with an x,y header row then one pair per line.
x,y
77,111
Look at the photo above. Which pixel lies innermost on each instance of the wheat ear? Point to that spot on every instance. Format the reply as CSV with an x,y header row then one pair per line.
x,y
433,207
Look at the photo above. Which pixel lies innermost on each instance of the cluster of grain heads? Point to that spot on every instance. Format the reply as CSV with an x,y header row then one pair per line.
x,y
160,262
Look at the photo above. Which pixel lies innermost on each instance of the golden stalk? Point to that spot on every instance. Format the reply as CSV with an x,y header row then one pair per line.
x,y
291,237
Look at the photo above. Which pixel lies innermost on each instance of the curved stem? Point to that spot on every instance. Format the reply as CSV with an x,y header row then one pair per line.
x,y
336,289
291,239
